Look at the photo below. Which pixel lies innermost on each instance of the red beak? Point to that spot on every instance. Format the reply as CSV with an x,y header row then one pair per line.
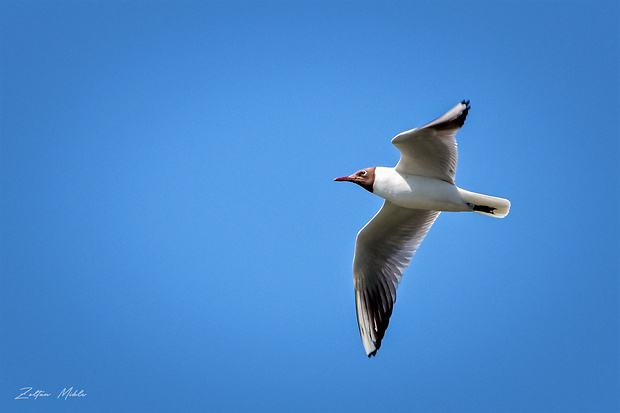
x,y
343,178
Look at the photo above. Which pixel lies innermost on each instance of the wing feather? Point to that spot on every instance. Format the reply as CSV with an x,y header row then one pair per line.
x,y
383,251
431,150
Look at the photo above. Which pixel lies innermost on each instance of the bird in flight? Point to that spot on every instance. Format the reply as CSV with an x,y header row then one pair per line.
x,y
416,190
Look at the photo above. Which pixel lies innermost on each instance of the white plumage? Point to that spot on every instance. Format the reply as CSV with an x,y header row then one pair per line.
x,y
415,191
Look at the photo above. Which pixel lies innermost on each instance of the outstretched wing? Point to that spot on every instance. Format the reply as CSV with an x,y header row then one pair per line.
x,y
431,149
383,250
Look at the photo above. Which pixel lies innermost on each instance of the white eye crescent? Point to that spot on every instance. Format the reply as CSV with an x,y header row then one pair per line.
x,y
363,173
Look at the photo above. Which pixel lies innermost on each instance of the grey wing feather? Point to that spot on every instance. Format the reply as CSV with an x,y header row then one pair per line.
x,y
383,251
431,150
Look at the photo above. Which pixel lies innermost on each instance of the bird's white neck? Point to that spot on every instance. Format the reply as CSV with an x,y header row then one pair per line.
x,y
384,181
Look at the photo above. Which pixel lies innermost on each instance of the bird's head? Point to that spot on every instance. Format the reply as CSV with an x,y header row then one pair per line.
x,y
364,178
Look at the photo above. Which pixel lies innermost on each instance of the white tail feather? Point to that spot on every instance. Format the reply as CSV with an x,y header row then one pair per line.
x,y
486,204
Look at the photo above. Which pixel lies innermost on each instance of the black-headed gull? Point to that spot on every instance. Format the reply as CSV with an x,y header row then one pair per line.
x,y
415,191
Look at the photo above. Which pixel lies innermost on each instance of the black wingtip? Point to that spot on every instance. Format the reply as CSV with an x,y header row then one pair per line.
x,y
461,119
458,121
372,353
467,107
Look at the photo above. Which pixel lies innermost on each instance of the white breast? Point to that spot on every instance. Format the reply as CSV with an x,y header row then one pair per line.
x,y
419,192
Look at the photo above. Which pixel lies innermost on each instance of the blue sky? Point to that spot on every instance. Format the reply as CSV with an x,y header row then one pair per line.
x,y
172,239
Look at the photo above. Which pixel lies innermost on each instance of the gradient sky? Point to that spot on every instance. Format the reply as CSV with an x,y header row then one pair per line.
x,y
172,239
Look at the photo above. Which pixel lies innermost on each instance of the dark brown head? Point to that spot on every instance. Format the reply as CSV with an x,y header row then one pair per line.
x,y
364,178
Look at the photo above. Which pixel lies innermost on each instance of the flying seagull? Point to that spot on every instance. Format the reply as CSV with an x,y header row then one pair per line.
x,y
415,192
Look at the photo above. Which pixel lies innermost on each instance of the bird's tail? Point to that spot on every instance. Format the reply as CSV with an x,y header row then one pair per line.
x,y
485,204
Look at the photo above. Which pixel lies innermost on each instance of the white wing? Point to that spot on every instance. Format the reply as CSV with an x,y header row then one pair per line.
x,y
431,149
383,250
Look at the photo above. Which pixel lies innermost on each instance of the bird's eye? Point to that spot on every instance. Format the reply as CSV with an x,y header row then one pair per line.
x,y
363,173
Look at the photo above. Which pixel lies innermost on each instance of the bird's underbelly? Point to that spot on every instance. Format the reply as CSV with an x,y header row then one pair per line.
x,y
420,192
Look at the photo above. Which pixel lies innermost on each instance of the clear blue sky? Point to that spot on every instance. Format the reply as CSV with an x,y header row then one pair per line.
x,y
172,239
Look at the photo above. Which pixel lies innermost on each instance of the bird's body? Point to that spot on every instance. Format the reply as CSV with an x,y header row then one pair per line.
x,y
416,190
